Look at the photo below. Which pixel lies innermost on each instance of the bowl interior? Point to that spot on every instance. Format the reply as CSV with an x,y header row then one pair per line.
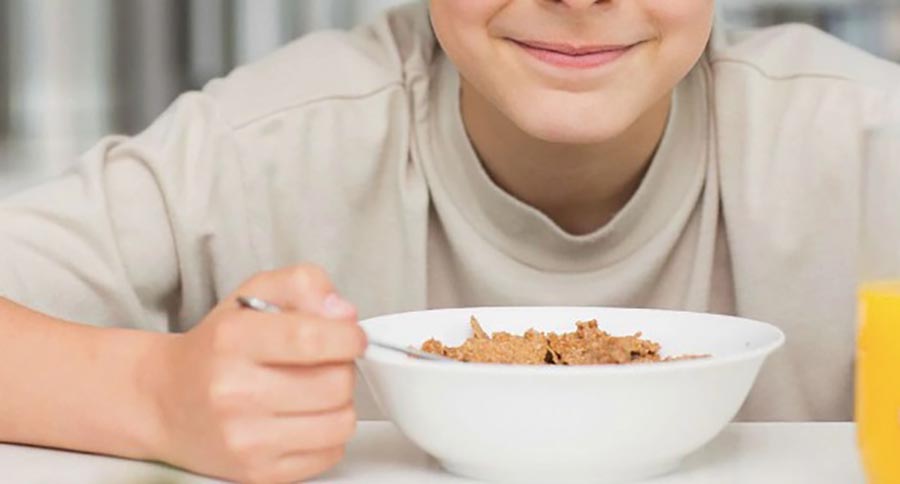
x,y
678,332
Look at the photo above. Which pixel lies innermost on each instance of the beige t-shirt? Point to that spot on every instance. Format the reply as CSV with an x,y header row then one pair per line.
x,y
348,150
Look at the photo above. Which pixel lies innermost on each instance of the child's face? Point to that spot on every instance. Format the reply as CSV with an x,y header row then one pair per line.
x,y
522,56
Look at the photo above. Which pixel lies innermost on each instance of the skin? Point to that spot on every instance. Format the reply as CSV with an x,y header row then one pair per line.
x,y
571,143
244,396
255,397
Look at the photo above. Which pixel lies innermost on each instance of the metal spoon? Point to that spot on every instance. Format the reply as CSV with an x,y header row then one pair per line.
x,y
263,306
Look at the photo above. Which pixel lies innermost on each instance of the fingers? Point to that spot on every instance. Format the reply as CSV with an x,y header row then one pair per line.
x,y
311,432
296,467
277,387
291,339
292,445
292,468
291,390
287,390
283,436
302,288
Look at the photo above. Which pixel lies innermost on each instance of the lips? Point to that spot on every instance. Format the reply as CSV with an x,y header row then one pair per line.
x,y
573,56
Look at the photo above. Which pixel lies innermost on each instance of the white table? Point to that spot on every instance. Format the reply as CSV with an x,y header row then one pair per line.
x,y
814,453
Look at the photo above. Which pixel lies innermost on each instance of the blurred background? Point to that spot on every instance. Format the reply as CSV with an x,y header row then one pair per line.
x,y
72,71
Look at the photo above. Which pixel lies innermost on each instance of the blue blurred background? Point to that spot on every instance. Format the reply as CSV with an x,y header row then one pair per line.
x,y
74,70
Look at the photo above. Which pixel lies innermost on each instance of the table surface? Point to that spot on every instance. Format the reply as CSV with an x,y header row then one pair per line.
x,y
772,453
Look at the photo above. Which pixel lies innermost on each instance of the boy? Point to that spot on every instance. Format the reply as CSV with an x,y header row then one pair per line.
x,y
476,152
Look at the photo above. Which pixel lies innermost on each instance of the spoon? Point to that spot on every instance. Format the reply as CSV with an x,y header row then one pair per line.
x,y
263,306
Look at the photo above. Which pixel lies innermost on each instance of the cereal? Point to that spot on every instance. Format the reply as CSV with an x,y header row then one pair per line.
x,y
529,349
588,345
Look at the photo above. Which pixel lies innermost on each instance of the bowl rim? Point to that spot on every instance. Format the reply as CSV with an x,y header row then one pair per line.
x,y
389,358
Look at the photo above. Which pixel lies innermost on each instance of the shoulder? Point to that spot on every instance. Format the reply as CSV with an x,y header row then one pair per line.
x,y
797,51
793,107
356,65
793,67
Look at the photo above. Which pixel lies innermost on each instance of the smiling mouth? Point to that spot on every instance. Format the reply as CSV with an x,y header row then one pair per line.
x,y
572,56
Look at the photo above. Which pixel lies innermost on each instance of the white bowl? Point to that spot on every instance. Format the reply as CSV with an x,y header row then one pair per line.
x,y
598,424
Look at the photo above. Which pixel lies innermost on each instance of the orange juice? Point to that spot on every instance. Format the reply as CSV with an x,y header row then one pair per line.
x,y
878,382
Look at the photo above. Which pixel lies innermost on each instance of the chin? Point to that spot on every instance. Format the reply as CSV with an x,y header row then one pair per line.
x,y
571,124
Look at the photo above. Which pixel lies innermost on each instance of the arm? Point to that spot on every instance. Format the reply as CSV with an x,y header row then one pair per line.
x,y
96,245
242,396
74,386
149,233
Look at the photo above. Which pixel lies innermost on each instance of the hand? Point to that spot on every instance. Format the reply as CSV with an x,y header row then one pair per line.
x,y
259,397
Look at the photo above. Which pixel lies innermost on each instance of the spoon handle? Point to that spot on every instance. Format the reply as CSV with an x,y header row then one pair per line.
x,y
257,304
410,351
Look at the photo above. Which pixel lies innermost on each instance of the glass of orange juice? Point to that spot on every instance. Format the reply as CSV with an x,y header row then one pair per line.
x,y
878,343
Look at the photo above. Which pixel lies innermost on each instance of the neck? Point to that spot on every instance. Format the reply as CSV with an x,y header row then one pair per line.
x,y
581,187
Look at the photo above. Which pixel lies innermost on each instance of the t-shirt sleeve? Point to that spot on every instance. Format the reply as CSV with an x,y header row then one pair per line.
x,y
137,232
880,192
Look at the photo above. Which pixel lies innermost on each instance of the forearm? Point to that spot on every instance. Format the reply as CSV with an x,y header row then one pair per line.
x,y
74,386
